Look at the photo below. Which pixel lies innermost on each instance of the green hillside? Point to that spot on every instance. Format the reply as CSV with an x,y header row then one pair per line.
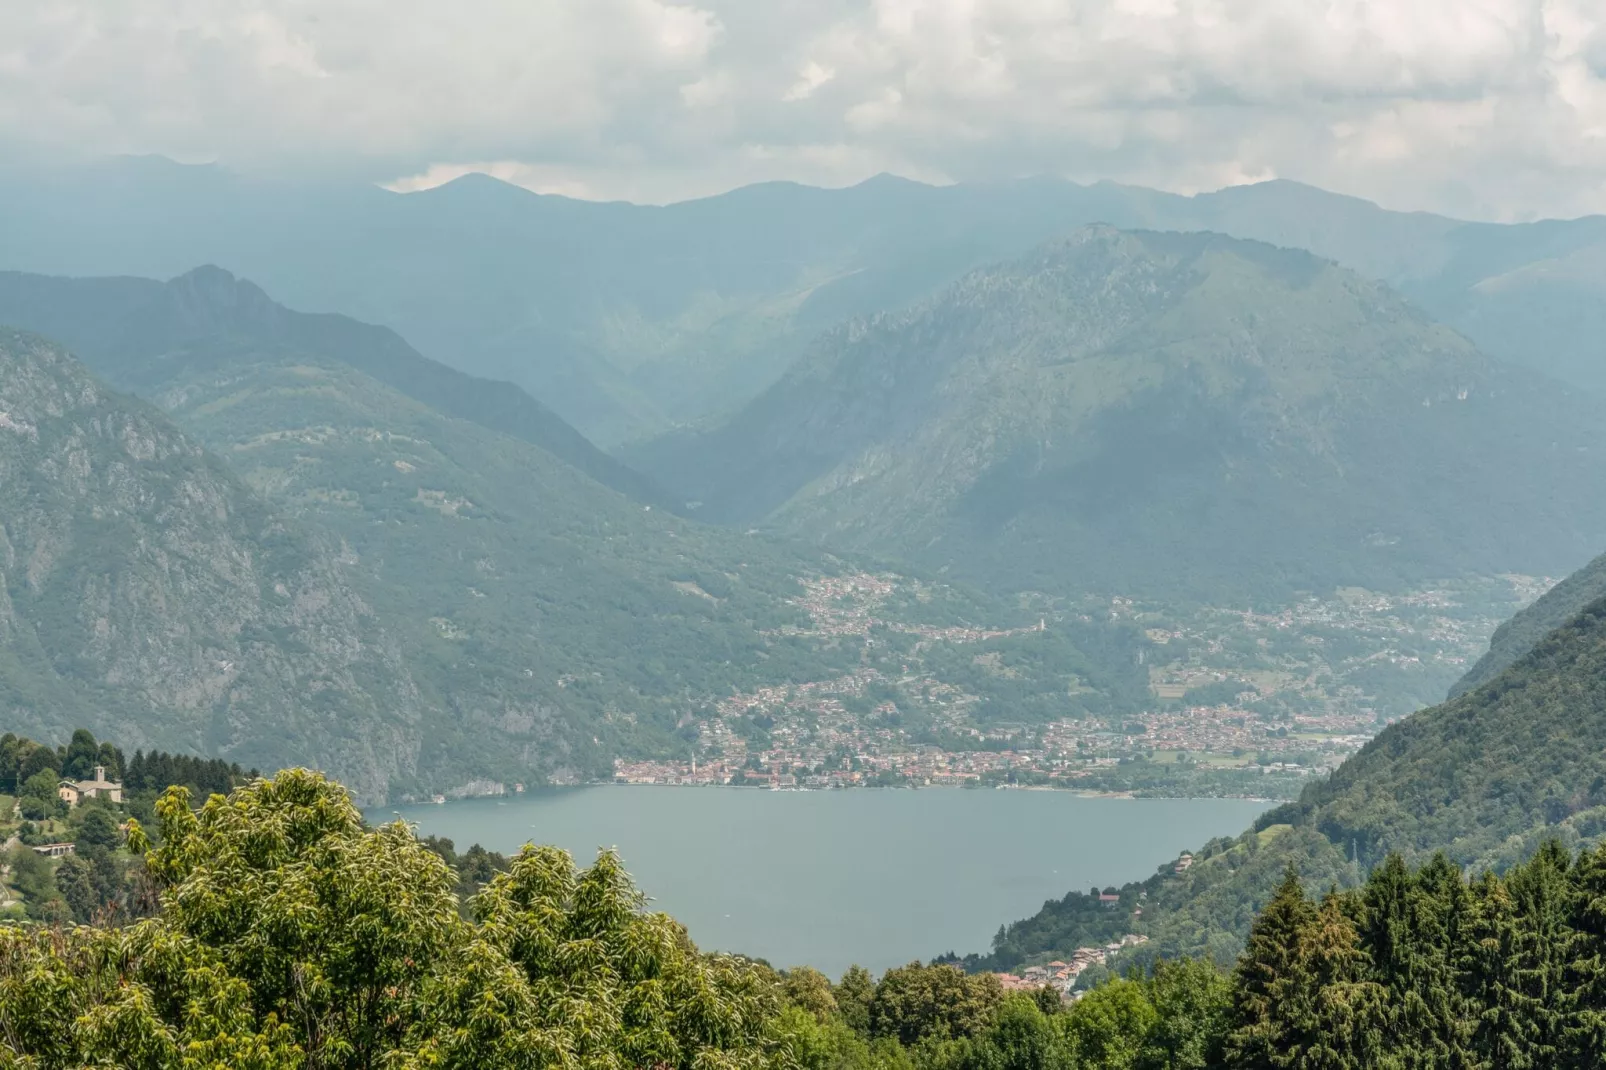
x,y
1486,778
1186,414
150,595
548,623
1522,632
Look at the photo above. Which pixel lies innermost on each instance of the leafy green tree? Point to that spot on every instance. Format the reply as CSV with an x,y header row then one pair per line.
x,y
914,1002
82,755
854,994
98,830
582,973
810,989
1109,1026
291,935
37,796
31,876
1021,1037
1191,999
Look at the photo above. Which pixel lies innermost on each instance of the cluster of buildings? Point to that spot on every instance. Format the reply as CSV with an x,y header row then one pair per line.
x,y
1062,975
1297,713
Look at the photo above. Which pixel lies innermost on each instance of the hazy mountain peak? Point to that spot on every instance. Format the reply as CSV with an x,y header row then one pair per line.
x,y
1120,410
140,334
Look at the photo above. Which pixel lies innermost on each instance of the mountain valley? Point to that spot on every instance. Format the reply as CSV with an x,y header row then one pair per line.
x,y
548,623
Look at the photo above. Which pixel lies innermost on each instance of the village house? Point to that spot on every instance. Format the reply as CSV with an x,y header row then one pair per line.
x,y
72,792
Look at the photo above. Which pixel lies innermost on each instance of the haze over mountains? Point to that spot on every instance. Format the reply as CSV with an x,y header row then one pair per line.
x,y
540,623
962,379
628,320
1145,412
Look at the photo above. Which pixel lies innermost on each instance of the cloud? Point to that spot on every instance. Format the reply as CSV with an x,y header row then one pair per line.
x,y
1483,107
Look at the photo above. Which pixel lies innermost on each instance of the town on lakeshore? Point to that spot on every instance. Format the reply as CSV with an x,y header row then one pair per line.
x,y
1062,975
1245,702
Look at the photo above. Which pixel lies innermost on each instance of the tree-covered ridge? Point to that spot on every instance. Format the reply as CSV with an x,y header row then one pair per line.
x,y
1143,412
1522,632
100,880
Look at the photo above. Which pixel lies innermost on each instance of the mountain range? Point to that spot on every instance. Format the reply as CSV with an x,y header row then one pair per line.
x,y
1186,415
539,621
629,320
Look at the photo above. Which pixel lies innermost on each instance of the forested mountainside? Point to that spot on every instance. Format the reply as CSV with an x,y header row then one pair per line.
x,y
629,319
1486,778
141,333
1161,412
546,623
1550,611
151,596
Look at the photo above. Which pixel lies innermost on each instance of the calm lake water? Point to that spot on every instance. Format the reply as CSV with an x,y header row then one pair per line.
x,y
830,878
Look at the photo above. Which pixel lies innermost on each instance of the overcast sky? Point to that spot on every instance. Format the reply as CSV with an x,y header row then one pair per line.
x,y
1486,108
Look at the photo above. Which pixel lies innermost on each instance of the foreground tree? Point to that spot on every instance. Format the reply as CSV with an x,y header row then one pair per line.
x,y
291,935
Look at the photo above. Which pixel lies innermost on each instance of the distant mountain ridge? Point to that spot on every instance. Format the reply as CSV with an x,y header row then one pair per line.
x,y
139,330
1139,411
630,320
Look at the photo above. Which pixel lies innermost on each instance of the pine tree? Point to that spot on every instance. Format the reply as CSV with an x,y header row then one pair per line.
x,y
1340,1017
1259,1036
1406,928
1541,892
1585,1030
1501,1030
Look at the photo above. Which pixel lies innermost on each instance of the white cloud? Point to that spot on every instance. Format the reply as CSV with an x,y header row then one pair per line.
x,y
1494,107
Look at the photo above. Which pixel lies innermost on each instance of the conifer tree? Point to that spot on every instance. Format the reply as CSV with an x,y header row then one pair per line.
x,y
1585,1040
1260,1029
1542,893
1501,1029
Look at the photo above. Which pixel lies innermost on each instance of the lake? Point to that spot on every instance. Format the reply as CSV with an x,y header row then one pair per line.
x,y
830,878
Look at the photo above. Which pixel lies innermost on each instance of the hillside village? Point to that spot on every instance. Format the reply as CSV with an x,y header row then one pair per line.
x,y
1243,701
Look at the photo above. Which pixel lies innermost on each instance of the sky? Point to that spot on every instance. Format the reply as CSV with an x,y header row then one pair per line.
x,y
1490,109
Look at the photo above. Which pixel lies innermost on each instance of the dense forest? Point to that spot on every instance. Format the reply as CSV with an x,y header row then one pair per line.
x,y
284,932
